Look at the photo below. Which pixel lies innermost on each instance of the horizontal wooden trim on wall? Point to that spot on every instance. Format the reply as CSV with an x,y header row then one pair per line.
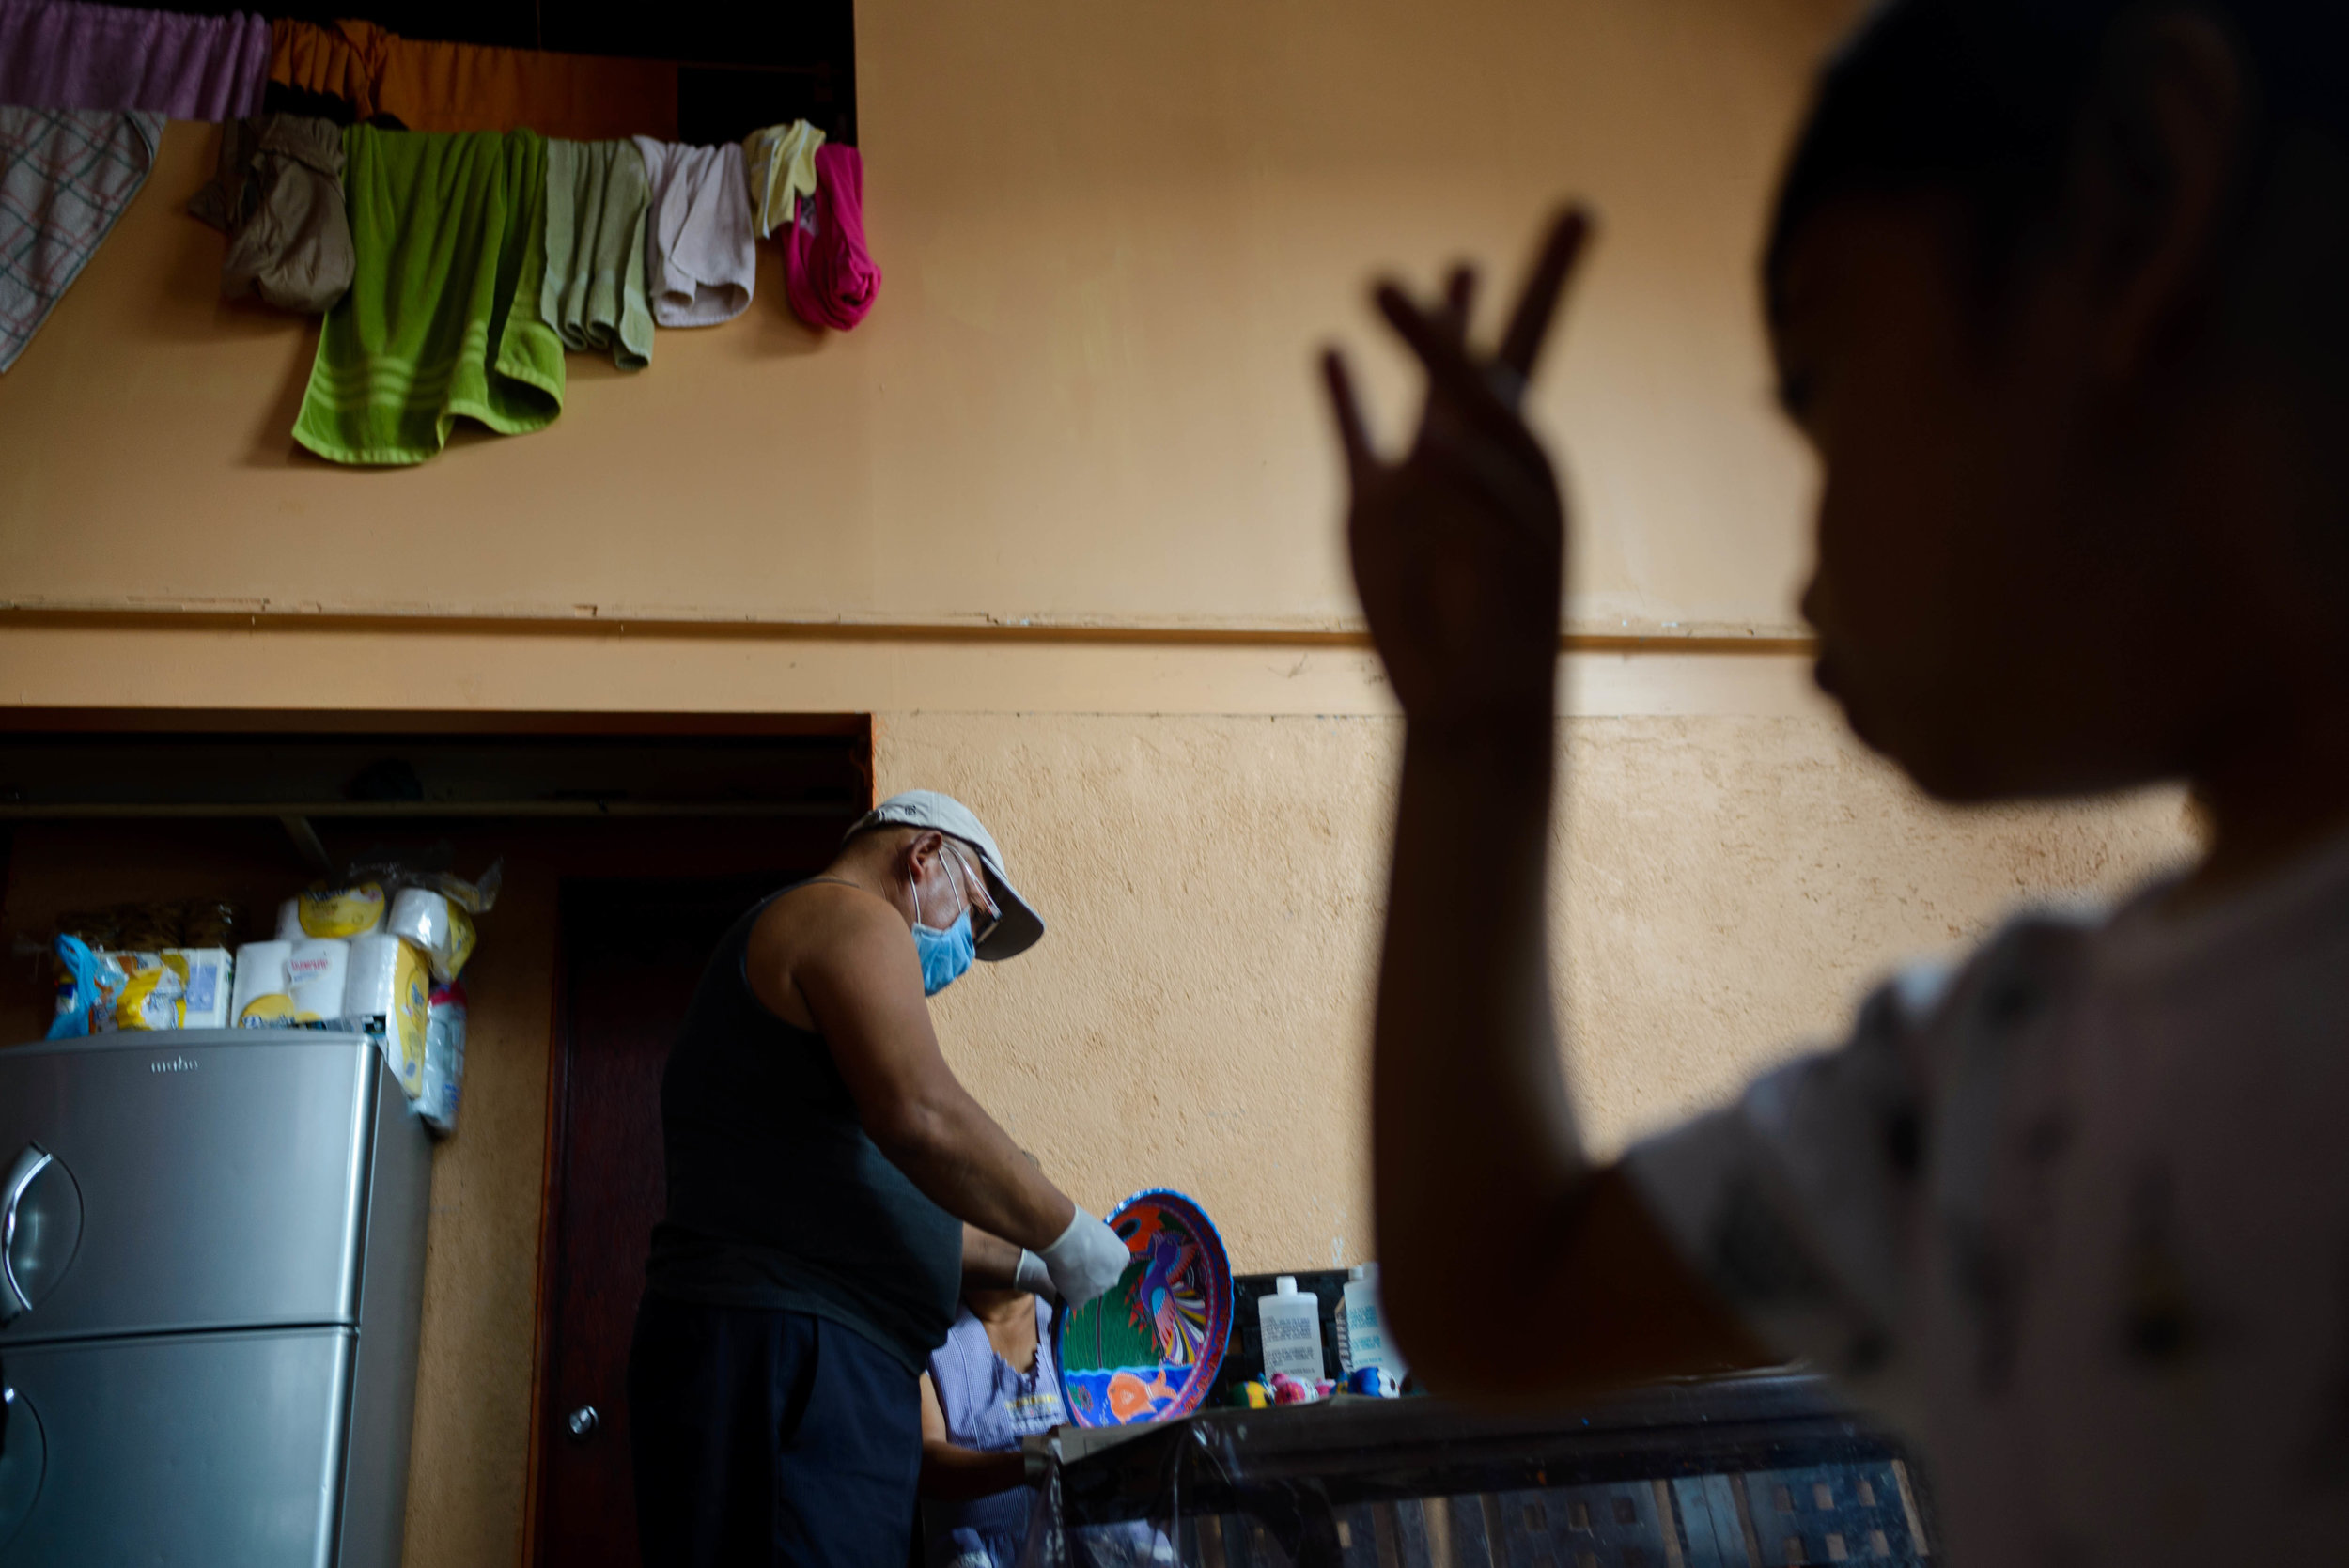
x,y
1704,640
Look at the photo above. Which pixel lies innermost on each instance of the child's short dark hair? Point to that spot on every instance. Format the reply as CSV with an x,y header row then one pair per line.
x,y
1982,97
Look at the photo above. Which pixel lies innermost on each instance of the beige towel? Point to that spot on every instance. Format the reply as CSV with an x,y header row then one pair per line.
x,y
594,295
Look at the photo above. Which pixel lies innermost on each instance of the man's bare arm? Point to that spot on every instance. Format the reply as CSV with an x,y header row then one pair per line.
x,y
862,985
989,1262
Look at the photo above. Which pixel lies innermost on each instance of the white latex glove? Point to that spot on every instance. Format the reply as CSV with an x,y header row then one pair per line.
x,y
1033,1276
1085,1261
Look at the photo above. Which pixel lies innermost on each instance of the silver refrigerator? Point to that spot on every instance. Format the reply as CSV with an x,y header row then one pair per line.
x,y
211,1265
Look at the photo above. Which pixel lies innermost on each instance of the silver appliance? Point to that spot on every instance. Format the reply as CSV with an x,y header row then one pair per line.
x,y
211,1267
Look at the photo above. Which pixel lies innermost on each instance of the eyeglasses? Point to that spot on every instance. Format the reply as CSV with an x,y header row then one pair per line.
x,y
975,887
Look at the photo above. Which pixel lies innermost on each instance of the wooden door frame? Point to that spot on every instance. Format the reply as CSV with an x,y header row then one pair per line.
x,y
859,729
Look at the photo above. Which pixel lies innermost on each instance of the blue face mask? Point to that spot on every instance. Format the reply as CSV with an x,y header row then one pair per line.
x,y
945,955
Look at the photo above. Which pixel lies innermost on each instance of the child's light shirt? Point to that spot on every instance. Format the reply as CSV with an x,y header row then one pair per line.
x,y
2077,1215
988,1405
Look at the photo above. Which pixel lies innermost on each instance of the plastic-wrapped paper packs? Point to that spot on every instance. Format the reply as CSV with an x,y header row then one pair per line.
x,y
174,988
443,1057
316,972
386,986
438,924
263,997
377,951
341,913
448,963
477,896
421,916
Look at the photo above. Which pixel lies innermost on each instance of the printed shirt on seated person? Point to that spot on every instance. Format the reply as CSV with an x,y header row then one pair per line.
x,y
2078,1216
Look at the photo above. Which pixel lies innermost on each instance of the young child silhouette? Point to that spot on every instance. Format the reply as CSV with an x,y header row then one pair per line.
x,y
2056,290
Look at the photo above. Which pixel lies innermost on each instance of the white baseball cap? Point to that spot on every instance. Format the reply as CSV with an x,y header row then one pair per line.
x,y
1020,926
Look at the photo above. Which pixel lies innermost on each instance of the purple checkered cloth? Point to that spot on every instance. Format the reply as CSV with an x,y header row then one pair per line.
x,y
64,55
65,177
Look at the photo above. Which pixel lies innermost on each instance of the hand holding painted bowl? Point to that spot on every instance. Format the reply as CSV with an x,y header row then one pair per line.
x,y
1150,1348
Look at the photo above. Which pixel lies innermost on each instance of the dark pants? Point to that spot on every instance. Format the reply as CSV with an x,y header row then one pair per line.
x,y
769,1438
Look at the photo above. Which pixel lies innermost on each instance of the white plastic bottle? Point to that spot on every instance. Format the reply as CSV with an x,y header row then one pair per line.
x,y
1291,1325
1362,1326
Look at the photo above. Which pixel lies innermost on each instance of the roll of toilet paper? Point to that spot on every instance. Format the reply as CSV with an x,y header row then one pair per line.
x,y
374,971
261,993
318,971
421,915
290,921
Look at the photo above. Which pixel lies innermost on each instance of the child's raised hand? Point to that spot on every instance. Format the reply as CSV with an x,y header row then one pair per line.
x,y
1459,548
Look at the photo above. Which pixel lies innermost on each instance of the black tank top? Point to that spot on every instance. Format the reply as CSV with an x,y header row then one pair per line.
x,y
777,1199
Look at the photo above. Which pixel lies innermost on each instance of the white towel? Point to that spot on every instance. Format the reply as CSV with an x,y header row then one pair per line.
x,y
701,259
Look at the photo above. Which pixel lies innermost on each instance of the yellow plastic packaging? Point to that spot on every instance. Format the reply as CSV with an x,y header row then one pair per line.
x,y
341,913
389,987
177,989
449,962
150,996
274,1007
404,1031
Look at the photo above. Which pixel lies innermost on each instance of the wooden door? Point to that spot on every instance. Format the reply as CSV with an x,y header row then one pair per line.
x,y
632,952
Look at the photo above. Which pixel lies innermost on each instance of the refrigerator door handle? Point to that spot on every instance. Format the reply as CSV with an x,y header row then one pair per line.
x,y
31,1163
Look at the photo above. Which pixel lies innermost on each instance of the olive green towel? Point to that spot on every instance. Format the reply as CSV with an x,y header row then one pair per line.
x,y
448,236
593,294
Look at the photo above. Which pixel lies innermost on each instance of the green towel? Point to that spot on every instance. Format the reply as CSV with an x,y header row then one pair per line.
x,y
597,195
448,234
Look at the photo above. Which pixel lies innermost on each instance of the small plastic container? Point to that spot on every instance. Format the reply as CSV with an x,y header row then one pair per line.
x,y
1290,1321
1362,1340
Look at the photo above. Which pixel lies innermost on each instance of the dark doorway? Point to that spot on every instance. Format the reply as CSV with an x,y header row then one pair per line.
x,y
632,951
631,841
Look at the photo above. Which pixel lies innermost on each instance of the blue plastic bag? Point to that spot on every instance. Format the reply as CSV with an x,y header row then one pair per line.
x,y
80,992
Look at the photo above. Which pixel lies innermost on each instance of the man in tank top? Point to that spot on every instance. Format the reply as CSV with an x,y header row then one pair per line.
x,y
831,1187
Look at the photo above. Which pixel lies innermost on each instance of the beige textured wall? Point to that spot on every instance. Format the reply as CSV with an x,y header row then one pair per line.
x,y
1197,1013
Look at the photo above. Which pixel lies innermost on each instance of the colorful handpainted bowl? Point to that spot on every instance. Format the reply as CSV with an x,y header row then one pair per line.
x,y
1149,1349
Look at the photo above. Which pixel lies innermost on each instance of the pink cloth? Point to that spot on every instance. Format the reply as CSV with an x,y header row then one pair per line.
x,y
61,54
827,273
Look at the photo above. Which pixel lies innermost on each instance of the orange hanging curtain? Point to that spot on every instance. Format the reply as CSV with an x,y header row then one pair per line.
x,y
464,86
345,61
579,98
